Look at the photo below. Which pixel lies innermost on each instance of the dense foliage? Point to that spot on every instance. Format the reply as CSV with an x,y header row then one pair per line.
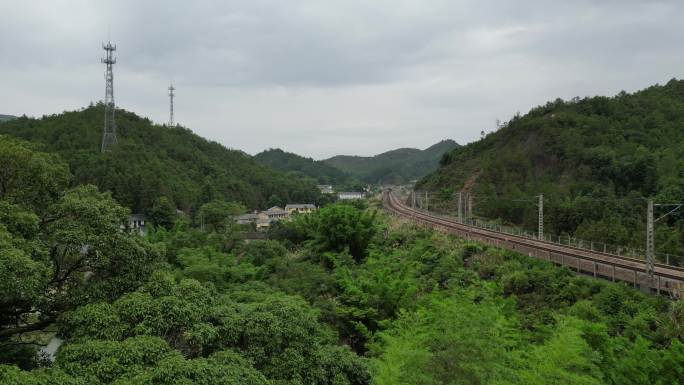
x,y
152,161
394,167
596,160
320,171
342,296
127,317
59,248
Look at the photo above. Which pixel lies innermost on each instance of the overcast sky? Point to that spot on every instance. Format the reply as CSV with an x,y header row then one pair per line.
x,y
327,77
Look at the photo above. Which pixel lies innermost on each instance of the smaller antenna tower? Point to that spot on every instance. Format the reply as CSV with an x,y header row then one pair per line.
x,y
171,95
109,131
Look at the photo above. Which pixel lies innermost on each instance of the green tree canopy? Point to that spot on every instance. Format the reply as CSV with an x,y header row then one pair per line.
x,y
59,249
218,215
162,213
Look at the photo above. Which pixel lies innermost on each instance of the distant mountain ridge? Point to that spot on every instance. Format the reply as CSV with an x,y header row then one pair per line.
x,y
285,161
396,166
6,117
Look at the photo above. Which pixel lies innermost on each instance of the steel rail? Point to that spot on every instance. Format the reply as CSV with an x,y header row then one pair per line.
x,y
669,274
578,249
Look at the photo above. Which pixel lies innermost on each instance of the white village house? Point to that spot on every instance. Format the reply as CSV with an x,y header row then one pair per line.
x,y
259,218
135,223
348,195
300,208
263,219
326,188
276,213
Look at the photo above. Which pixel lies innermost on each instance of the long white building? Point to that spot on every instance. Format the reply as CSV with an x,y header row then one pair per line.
x,y
348,195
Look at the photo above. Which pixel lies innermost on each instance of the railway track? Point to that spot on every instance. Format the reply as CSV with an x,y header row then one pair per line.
x,y
666,279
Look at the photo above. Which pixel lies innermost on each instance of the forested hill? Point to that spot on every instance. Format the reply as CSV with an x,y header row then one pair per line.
x,y
6,117
396,166
345,295
322,172
151,161
593,158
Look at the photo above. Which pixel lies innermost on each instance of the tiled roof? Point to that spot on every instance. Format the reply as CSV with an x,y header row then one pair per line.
x,y
300,206
276,212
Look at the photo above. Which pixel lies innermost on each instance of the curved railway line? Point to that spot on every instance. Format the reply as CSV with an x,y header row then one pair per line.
x,y
666,279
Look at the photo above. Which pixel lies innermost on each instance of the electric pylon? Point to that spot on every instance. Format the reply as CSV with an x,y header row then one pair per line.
x,y
109,130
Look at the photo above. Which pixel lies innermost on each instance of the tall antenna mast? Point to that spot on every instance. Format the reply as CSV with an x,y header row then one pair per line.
x,y
171,89
109,131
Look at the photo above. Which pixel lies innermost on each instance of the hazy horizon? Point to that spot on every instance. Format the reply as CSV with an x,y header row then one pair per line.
x,y
340,78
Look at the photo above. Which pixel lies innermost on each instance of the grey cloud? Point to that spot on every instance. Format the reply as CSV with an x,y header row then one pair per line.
x,y
327,77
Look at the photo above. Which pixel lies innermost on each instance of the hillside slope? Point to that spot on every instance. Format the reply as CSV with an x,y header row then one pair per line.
x,y
6,117
322,172
595,160
150,161
396,166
